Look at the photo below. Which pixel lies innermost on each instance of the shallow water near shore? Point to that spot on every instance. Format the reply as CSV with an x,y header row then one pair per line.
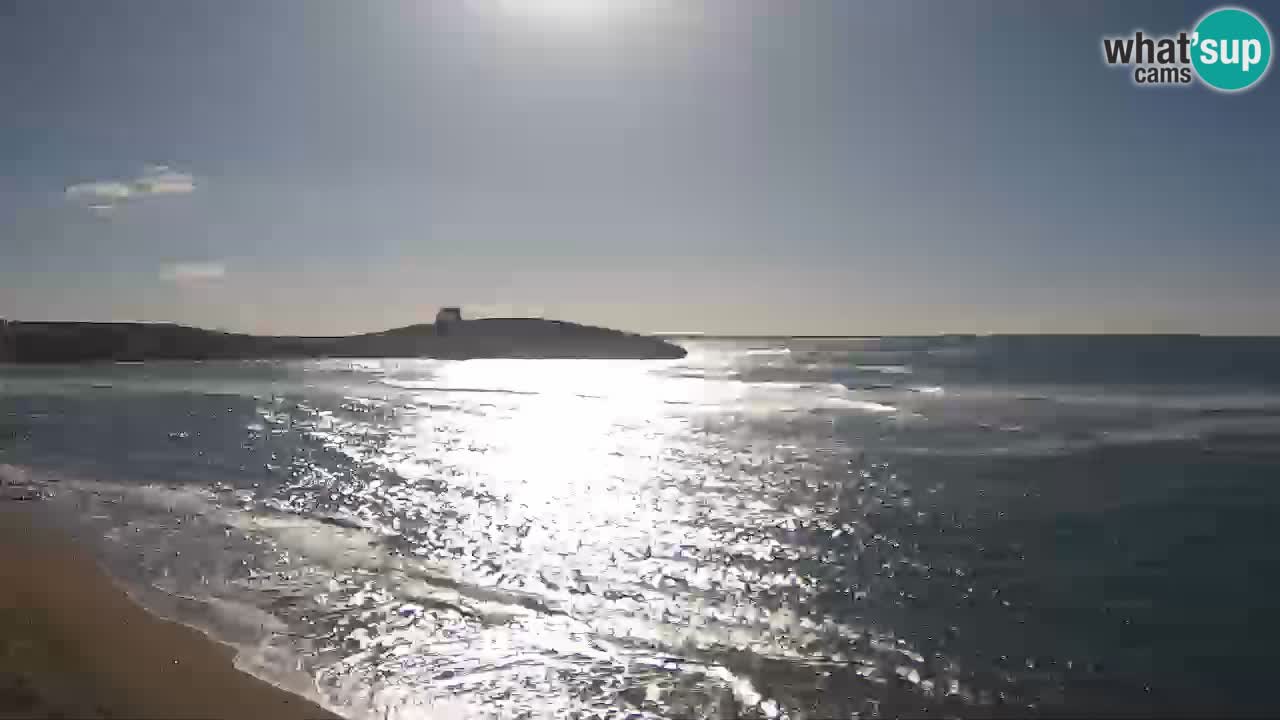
x,y
795,528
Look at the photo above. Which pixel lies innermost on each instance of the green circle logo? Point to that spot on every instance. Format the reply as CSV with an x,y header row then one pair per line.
x,y
1232,49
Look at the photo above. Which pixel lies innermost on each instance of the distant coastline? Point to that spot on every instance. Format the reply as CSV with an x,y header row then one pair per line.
x,y
81,342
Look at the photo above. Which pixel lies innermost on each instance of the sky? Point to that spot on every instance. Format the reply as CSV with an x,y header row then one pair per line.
x,y
725,166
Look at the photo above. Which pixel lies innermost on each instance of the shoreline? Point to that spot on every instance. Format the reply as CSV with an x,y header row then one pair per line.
x,y
75,644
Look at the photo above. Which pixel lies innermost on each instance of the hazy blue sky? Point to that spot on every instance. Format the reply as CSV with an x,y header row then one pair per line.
x,y
734,166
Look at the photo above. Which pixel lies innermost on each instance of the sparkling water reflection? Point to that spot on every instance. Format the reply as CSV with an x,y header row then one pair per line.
x,y
800,530
591,536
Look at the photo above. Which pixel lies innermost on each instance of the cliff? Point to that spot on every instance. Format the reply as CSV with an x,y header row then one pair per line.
x,y
75,342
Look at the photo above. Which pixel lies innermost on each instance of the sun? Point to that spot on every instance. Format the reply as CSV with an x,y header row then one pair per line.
x,y
569,13
560,18
566,9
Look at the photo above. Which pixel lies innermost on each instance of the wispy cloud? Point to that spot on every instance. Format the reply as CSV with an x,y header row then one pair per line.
x,y
104,195
164,180
101,191
194,273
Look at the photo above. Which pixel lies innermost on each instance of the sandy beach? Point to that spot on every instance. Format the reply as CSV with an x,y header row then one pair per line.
x,y
73,644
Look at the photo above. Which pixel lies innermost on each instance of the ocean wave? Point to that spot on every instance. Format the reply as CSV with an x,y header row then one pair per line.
x,y
1249,434
885,369
355,568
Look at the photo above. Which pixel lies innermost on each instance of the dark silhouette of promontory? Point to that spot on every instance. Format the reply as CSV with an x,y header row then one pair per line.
x,y
449,338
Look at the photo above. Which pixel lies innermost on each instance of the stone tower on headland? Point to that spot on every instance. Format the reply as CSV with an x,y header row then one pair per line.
x,y
447,318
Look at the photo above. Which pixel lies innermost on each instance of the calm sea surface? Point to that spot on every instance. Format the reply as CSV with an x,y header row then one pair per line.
x,y
800,528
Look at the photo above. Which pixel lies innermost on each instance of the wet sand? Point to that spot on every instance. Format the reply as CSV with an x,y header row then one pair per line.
x,y
72,645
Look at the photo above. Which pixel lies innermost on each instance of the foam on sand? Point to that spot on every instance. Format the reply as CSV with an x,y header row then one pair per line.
x,y
76,645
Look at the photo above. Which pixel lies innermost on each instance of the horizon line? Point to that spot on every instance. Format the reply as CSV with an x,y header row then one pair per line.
x,y
704,335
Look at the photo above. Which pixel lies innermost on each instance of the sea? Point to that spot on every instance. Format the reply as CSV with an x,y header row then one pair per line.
x,y
768,528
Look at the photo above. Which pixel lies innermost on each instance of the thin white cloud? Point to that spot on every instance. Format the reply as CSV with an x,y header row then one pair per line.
x,y
164,180
104,191
104,195
194,273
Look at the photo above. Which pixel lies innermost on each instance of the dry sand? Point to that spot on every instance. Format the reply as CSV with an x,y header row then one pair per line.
x,y
72,644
